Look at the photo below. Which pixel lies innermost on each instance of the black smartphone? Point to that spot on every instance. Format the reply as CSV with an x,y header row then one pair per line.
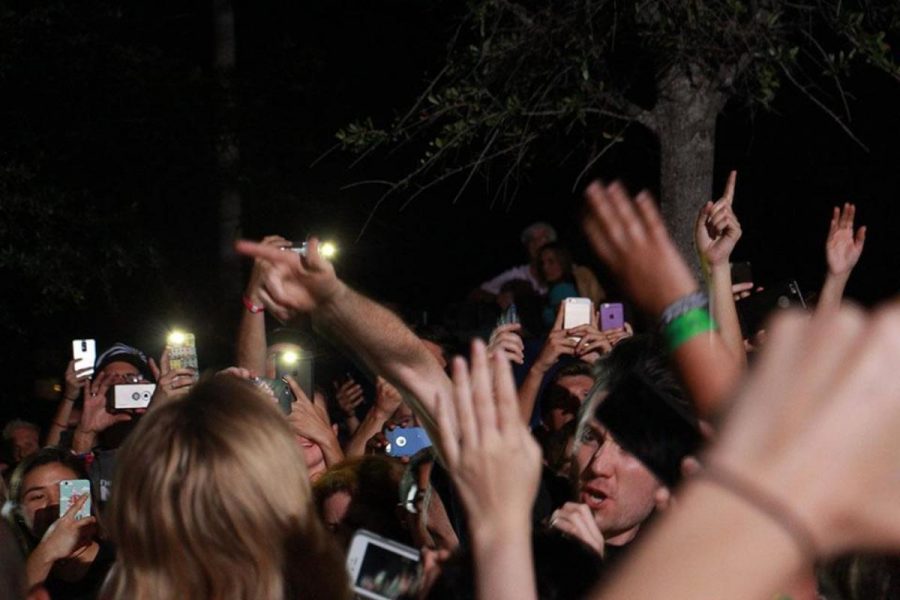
x,y
756,308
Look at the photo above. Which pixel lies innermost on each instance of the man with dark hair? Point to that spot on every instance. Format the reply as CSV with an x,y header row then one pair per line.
x,y
633,435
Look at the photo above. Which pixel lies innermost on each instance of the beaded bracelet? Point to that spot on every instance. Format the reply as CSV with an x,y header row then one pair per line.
x,y
765,503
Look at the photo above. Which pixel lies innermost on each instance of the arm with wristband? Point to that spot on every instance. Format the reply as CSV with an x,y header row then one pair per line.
x,y
251,337
632,240
716,233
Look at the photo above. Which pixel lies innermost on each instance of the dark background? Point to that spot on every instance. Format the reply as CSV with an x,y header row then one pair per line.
x,y
112,106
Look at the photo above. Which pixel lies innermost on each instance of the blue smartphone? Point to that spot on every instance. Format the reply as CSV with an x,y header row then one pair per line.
x,y
70,490
406,441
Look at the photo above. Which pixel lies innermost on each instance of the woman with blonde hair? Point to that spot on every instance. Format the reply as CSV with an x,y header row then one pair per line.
x,y
212,501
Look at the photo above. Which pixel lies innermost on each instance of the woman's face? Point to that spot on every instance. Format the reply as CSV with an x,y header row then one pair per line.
x,y
40,495
551,266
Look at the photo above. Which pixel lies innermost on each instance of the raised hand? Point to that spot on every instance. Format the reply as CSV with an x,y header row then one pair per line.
x,y
291,283
171,384
94,416
811,399
506,340
577,520
632,240
76,381
495,464
843,248
717,229
559,343
349,395
494,461
255,283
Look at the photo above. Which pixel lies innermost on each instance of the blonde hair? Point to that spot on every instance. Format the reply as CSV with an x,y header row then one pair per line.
x,y
211,500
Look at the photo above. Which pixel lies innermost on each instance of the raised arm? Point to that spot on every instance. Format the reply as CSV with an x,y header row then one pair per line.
x,y
716,233
632,240
495,465
763,510
293,284
251,337
842,252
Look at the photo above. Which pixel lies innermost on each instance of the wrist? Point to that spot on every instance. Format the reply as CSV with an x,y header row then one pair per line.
x,y
499,529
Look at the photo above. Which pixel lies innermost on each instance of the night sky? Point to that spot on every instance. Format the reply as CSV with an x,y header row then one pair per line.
x,y
132,130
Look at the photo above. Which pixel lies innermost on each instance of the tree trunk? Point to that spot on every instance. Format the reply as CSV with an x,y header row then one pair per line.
x,y
685,119
227,149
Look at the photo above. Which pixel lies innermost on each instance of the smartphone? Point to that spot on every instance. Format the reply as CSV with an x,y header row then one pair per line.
x,y
298,365
280,390
612,316
70,490
741,272
406,441
129,396
381,568
509,316
576,312
755,308
85,354
182,349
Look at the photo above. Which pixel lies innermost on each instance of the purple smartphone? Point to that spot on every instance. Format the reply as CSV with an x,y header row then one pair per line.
x,y
612,316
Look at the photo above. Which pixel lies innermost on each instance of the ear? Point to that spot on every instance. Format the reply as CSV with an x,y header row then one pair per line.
x,y
662,497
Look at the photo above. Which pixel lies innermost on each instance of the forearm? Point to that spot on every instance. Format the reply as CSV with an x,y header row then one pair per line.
x,y
60,422
712,545
387,346
37,567
528,392
724,312
707,378
251,342
331,451
504,566
372,423
831,294
83,441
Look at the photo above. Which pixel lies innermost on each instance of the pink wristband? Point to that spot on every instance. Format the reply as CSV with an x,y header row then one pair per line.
x,y
254,308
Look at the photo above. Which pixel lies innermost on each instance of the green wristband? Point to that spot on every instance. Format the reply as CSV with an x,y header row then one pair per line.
x,y
687,326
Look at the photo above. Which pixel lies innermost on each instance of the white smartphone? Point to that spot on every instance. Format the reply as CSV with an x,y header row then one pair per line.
x,y
381,568
70,490
85,354
577,312
129,396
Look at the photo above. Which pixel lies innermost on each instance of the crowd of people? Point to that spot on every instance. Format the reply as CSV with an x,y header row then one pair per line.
x,y
659,450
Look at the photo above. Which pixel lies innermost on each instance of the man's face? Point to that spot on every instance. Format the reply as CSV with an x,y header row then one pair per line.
x,y
40,495
25,442
616,486
565,398
120,372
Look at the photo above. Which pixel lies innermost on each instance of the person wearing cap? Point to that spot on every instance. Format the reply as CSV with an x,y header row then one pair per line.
x,y
119,364
635,431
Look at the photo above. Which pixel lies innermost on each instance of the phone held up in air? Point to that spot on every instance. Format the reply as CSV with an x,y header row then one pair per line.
x,y
133,395
85,354
382,569
577,312
70,490
406,441
612,316
182,349
757,307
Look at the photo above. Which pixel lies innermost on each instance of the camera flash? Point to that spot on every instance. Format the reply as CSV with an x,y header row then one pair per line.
x,y
327,249
176,338
290,357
